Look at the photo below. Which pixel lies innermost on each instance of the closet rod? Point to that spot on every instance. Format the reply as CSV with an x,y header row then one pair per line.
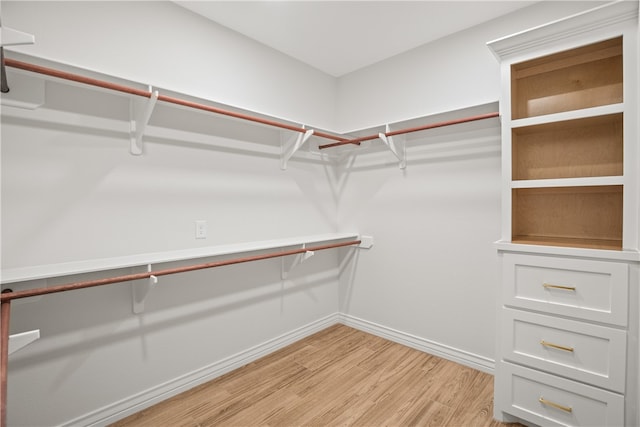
x,y
133,91
5,313
7,297
357,141
137,276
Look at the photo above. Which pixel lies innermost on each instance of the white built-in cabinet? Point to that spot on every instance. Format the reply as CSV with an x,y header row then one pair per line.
x,y
567,347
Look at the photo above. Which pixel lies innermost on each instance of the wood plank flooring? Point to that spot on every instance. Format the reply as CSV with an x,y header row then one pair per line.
x,y
337,377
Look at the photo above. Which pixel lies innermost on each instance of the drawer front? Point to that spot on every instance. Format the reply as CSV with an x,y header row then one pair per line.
x,y
545,399
584,352
584,289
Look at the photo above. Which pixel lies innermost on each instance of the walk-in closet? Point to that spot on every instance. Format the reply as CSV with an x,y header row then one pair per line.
x,y
320,213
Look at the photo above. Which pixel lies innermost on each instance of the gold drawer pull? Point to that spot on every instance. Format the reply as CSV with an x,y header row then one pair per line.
x,y
555,405
559,347
565,288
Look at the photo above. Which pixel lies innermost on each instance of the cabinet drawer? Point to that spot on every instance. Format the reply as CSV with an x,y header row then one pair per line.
x,y
584,352
586,289
548,400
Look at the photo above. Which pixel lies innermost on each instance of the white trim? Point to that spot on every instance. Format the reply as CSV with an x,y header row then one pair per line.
x,y
125,407
583,113
591,181
471,360
624,255
604,16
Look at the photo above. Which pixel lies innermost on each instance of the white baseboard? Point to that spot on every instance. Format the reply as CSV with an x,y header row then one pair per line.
x,y
121,409
471,360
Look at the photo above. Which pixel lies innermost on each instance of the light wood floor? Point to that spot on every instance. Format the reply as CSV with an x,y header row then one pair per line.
x,y
337,377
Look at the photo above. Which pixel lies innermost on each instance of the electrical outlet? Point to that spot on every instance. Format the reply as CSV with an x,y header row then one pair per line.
x,y
201,229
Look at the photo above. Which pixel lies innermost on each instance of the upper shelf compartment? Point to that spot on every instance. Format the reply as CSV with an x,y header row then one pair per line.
x,y
587,147
581,78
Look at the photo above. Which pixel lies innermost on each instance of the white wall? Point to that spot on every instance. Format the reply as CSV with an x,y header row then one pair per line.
x,y
433,272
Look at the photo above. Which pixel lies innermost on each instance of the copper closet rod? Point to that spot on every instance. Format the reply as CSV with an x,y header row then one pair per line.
x,y
6,298
413,129
133,91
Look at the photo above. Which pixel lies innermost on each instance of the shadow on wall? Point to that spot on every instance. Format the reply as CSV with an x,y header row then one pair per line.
x,y
76,324
466,142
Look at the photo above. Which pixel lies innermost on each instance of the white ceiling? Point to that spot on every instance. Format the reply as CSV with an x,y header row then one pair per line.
x,y
339,37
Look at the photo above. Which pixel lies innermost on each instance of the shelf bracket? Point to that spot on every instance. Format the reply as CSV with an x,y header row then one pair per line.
x,y
397,147
11,37
140,290
288,150
290,262
21,340
140,112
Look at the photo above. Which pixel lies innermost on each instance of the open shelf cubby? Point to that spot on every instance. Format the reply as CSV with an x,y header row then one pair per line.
x,y
587,147
589,216
580,78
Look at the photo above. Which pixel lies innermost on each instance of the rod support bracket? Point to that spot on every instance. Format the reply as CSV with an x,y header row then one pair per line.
x,y
290,262
396,146
140,290
140,112
291,147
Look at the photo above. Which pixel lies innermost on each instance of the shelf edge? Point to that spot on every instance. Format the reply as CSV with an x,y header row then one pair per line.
x,y
623,255
583,113
23,274
594,181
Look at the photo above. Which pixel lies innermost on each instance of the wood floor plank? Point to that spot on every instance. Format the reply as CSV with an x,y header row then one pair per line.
x,y
449,383
474,409
398,391
338,377
261,411
320,400
422,412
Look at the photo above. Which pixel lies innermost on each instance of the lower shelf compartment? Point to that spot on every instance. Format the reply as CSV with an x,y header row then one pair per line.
x,y
585,217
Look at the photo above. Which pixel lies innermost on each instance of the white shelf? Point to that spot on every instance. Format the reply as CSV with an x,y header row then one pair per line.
x,y
568,115
568,182
36,272
623,255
